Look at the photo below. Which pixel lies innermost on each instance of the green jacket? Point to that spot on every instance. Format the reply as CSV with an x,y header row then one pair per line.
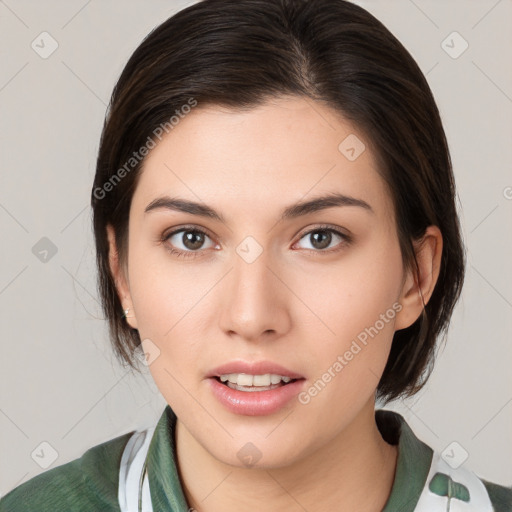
x,y
424,482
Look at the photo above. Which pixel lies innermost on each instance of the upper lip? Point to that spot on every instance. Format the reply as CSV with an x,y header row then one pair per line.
x,y
253,368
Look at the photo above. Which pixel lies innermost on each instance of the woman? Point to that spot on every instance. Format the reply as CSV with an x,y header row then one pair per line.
x,y
277,240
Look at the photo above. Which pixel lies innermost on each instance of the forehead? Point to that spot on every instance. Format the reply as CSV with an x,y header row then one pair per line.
x,y
276,153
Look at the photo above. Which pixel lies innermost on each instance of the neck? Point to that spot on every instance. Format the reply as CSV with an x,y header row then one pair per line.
x,y
355,471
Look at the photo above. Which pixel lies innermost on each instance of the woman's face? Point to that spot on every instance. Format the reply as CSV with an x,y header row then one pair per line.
x,y
283,293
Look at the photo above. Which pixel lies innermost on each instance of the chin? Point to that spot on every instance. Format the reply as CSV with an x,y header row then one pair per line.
x,y
256,451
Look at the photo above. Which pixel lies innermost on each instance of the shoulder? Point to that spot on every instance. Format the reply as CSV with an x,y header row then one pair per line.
x,y
447,484
500,496
84,484
433,480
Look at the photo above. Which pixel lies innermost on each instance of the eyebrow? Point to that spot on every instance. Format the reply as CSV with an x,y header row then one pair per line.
x,y
290,212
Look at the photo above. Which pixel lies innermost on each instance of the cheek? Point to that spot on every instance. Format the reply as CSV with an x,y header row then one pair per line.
x,y
351,295
167,302
162,290
162,295
358,306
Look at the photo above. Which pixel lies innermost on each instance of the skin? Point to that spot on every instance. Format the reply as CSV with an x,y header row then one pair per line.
x,y
297,304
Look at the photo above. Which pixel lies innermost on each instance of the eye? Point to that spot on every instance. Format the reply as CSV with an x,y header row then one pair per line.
x,y
189,241
186,242
321,238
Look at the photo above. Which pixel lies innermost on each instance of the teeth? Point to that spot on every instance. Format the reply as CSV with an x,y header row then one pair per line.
x,y
245,379
275,379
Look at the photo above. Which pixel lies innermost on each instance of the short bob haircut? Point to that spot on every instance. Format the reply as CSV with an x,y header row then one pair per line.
x,y
240,53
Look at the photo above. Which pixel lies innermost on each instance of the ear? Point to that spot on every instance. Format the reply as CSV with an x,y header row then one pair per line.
x,y
428,255
120,278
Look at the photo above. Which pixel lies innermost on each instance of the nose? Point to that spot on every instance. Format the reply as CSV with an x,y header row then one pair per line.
x,y
255,300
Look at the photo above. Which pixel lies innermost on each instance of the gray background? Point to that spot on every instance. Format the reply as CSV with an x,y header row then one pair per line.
x,y
60,382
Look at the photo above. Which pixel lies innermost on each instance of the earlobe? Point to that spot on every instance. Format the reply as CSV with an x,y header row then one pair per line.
x,y
418,287
118,273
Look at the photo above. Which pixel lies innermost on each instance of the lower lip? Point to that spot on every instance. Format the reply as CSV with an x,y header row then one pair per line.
x,y
255,403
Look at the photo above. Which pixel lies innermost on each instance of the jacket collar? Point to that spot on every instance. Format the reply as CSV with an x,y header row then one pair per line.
x,y
164,482
413,464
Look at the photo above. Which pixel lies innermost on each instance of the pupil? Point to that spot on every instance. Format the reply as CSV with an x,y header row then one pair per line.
x,y
322,244
193,239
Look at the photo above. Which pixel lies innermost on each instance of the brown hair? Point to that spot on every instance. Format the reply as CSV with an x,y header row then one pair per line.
x,y
239,53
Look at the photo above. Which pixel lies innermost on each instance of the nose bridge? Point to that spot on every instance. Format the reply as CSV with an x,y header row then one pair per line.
x,y
251,273
253,305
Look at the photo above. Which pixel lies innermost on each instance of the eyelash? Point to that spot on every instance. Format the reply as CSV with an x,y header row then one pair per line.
x,y
192,254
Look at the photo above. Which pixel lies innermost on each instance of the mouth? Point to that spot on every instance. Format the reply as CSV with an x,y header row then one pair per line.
x,y
254,389
253,383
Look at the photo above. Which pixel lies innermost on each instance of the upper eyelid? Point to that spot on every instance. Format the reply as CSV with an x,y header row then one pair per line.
x,y
172,231
324,227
